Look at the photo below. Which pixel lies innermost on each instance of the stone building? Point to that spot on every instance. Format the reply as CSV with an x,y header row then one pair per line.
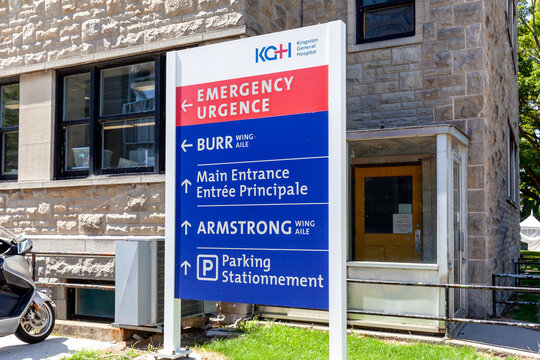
x,y
431,105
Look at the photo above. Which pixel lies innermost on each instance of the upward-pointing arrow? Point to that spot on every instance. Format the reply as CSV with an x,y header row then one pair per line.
x,y
186,183
185,265
185,225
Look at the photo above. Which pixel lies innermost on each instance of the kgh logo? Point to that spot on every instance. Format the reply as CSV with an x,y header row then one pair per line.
x,y
271,53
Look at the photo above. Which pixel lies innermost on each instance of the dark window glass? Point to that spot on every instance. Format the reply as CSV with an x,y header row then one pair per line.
x,y
77,147
383,196
387,22
378,20
77,97
128,89
10,153
9,131
128,143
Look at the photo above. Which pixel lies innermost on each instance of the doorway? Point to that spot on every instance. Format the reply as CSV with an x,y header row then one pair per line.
x,y
388,213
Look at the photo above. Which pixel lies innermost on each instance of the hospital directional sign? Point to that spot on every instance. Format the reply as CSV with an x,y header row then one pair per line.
x,y
252,154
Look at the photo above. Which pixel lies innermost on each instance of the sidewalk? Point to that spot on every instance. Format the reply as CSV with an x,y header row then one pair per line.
x,y
503,336
53,348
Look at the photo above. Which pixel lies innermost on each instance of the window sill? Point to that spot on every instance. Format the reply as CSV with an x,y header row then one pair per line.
x,y
353,47
93,181
388,265
512,202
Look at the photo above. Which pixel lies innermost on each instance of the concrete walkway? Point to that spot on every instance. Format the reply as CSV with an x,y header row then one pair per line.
x,y
53,348
502,336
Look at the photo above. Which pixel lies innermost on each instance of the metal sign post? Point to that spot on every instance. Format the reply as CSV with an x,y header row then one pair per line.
x,y
255,208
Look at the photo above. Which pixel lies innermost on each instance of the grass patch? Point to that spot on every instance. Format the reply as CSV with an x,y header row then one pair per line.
x,y
276,341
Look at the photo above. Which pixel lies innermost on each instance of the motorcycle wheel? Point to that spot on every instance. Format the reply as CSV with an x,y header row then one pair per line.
x,y
35,325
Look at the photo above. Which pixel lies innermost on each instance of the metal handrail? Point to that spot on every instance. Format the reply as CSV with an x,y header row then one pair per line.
x,y
447,318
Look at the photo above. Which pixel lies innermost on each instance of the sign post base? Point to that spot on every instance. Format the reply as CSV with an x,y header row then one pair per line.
x,y
183,353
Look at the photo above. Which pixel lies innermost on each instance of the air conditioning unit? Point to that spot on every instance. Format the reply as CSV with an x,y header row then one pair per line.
x,y
140,274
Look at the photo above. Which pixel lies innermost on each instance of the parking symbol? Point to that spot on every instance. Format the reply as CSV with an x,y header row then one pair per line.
x,y
207,267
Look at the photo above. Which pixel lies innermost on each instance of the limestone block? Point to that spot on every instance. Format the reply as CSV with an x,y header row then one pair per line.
x,y
14,5
90,223
179,7
114,7
121,218
468,106
59,208
468,13
29,33
142,230
6,221
137,203
91,29
74,267
116,230
444,80
53,8
476,177
397,97
153,218
444,113
3,200
66,227
411,80
223,21
468,60
44,208
209,4
475,83
31,212
474,36
406,54
442,15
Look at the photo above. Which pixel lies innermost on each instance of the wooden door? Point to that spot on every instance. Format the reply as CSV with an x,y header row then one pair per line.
x,y
388,213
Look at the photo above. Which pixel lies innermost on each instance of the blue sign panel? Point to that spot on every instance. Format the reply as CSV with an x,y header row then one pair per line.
x,y
252,193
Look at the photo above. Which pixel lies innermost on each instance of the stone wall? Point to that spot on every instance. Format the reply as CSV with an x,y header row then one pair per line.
x,y
37,32
501,217
461,73
123,209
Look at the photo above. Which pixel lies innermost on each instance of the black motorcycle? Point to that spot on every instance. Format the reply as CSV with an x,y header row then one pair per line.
x,y
24,311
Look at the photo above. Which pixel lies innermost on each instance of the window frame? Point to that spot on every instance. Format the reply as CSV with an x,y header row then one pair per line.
x,y
361,10
512,168
3,130
96,121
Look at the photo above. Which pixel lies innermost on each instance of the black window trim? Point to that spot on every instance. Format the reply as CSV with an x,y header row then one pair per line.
x,y
360,10
95,120
9,177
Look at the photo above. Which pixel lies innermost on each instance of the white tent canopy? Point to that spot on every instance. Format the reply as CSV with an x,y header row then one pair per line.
x,y
530,232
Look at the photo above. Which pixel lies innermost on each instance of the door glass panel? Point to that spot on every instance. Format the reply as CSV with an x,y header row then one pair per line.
x,y
384,198
456,198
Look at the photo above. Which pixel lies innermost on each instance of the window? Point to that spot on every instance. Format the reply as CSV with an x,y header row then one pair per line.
x,y
109,119
9,131
513,174
378,20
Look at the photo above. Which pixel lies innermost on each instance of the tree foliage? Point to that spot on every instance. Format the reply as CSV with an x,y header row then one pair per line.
x,y
529,104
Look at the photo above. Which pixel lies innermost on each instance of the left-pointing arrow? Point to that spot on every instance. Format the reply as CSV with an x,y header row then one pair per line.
x,y
185,105
185,145
185,225
185,265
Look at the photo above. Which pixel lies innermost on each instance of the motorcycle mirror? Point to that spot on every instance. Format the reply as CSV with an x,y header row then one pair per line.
x,y
24,246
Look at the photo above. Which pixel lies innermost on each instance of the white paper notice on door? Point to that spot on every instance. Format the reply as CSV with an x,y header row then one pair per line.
x,y
402,223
